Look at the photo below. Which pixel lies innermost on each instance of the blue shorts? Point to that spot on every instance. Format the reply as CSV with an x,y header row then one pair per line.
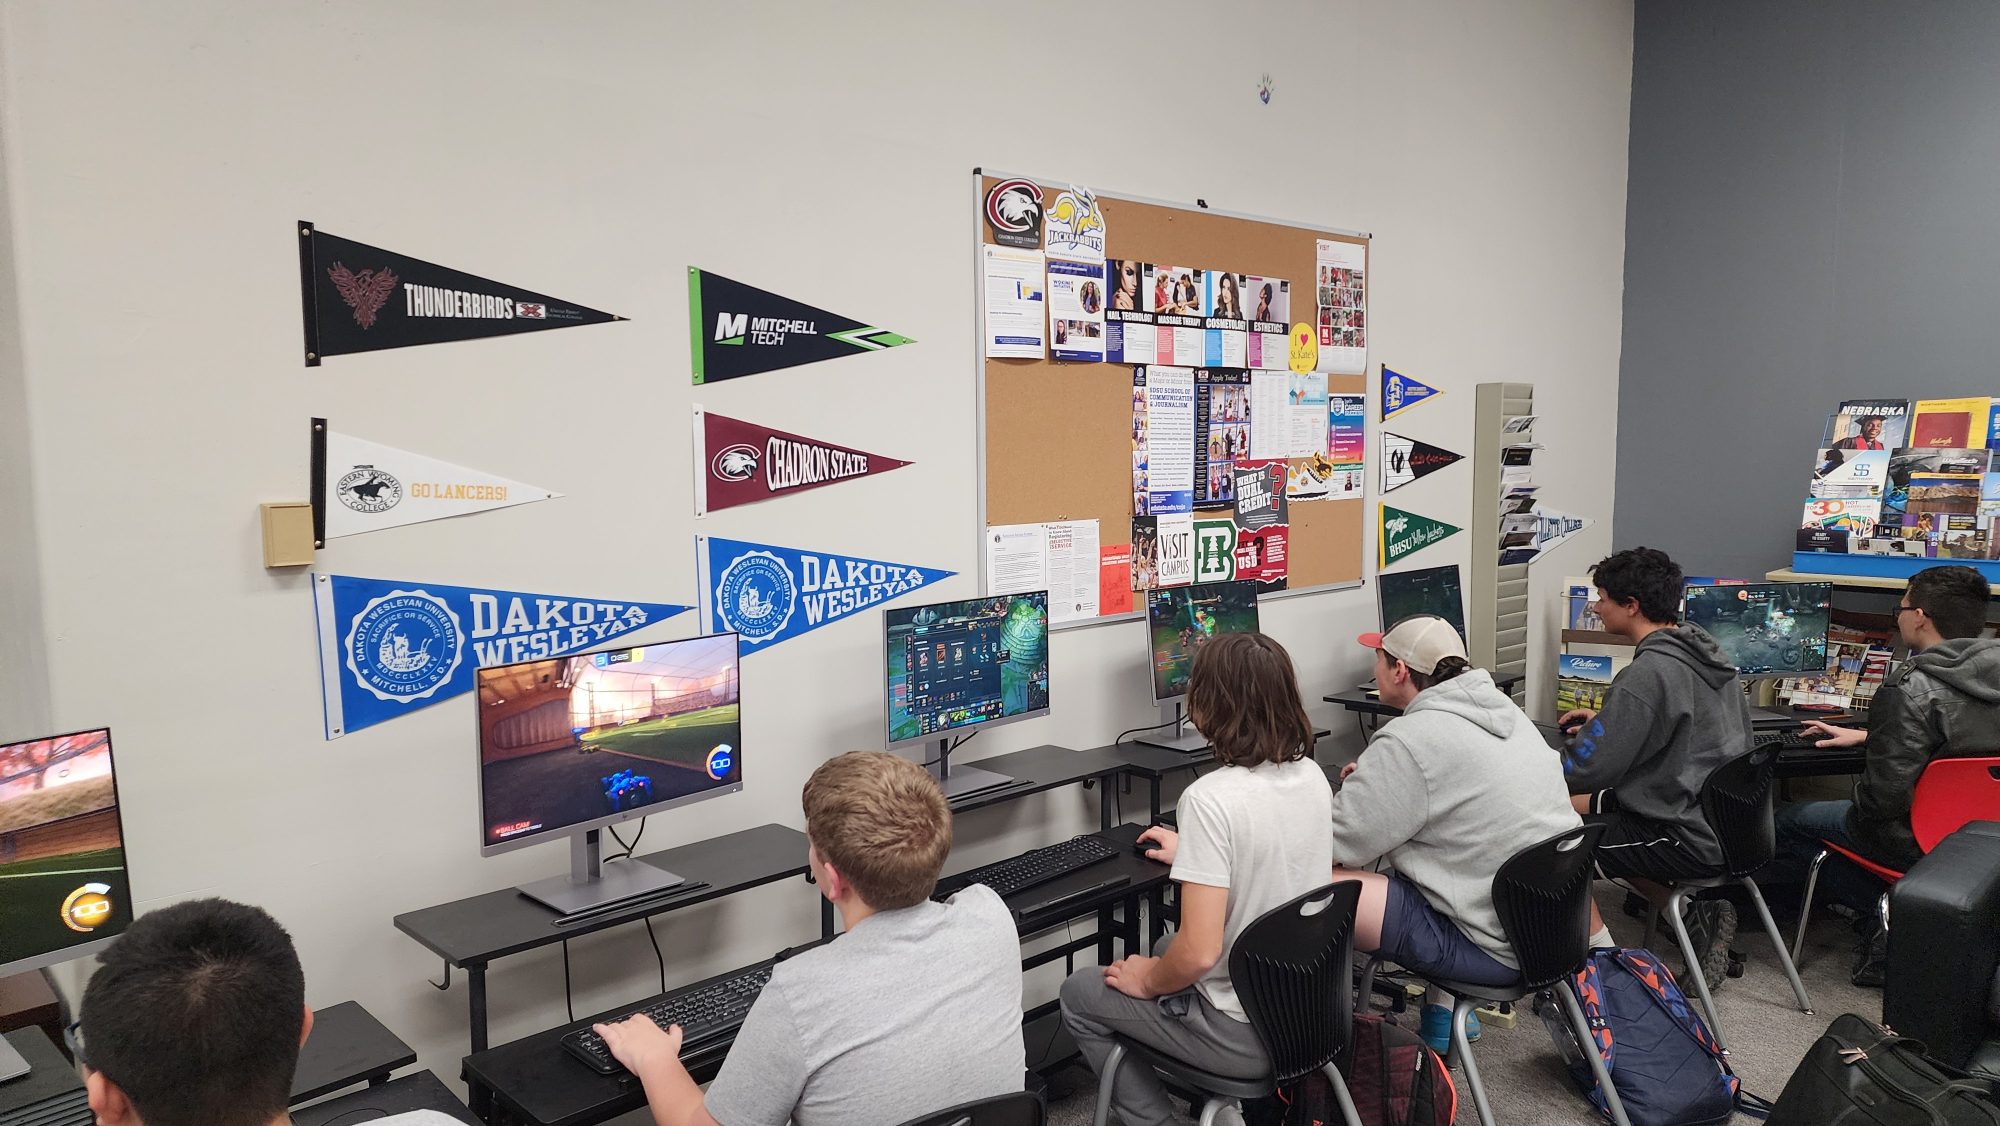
x,y
1416,937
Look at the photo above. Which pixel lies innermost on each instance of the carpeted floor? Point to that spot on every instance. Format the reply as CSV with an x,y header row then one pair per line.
x,y
1766,1033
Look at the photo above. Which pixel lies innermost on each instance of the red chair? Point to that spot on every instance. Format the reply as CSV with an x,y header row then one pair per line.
x,y
1950,793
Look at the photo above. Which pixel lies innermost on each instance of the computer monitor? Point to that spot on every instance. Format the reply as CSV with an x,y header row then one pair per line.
x,y
573,745
63,888
1765,629
1178,620
954,668
1433,590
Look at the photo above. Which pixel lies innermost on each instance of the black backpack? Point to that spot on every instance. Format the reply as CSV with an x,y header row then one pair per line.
x,y
1394,1078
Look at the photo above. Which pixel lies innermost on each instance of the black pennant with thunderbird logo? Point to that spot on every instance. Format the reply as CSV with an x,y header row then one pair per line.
x,y
361,298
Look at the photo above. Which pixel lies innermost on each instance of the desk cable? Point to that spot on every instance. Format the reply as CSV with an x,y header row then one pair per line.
x,y
948,750
1150,727
658,957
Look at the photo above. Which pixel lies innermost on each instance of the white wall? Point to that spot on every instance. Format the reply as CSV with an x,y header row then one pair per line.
x,y
159,154
24,680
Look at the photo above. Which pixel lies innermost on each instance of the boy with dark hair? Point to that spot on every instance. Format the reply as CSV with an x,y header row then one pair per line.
x,y
194,1018
915,1008
1636,766
1943,702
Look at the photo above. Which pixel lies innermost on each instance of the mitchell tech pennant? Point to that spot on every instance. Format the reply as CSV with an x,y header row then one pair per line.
x,y
737,330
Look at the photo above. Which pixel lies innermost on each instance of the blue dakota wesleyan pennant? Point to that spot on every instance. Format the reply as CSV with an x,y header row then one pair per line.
x,y
769,594
387,647
1400,392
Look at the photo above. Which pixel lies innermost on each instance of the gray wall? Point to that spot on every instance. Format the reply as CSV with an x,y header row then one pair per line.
x,y
1814,215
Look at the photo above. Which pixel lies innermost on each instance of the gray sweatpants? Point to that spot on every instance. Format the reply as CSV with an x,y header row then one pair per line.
x,y
1183,1025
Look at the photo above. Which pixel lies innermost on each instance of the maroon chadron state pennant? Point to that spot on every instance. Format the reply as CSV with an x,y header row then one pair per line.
x,y
739,462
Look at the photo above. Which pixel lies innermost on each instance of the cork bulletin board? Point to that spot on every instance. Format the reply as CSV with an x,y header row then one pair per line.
x,y
1056,436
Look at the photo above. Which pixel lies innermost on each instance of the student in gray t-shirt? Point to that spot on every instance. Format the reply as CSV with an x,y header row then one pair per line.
x,y
916,1007
1254,835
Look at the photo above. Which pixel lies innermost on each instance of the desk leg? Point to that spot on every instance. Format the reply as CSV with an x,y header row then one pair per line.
x,y
1104,935
478,1097
475,990
825,917
1154,800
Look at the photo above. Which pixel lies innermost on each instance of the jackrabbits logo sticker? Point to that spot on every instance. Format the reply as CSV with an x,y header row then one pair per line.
x,y
1075,227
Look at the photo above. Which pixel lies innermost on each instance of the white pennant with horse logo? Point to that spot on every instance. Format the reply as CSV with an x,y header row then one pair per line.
x,y
370,486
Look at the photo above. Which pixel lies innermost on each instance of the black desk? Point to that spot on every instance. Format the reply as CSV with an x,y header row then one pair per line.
x,y
52,1081
419,1091
347,1046
1040,769
471,933
1363,705
1155,763
534,1081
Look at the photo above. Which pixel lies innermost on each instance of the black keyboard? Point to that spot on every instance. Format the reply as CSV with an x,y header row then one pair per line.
x,y
1010,877
713,1012
1792,741
71,1108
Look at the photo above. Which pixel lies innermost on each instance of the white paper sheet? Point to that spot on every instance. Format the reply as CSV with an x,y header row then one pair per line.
x,y
1170,439
1072,568
1271,415
1017,558
1016,282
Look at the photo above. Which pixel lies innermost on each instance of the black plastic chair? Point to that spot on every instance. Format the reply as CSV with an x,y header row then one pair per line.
x,y
1542,895
1737,802
1291,969
1022,1108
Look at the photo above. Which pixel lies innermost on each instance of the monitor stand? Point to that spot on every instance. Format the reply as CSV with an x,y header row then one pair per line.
x,y
963,781
12,1065
591,885
1184,737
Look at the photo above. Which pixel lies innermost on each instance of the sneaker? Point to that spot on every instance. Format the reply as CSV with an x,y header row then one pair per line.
x,y
1871,964
1711,926
1436,1028
1230,1115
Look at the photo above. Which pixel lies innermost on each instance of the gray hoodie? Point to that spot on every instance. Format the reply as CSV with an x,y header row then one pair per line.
x,y
1447,793
1675,714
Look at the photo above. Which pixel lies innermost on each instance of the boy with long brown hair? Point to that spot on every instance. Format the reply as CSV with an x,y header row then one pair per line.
x,y
1253,835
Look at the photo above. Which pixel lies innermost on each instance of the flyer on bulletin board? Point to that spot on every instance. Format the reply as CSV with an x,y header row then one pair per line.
x,y
1114,579
1130,334
1170,439
1015,296
1076,310
1270,303
1343,307
1221,433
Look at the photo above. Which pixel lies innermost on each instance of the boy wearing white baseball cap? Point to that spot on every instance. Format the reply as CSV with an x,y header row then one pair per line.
x,y
1445,793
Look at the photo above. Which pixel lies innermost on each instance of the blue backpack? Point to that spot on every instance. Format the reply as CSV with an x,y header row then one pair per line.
x,y
1667,1067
